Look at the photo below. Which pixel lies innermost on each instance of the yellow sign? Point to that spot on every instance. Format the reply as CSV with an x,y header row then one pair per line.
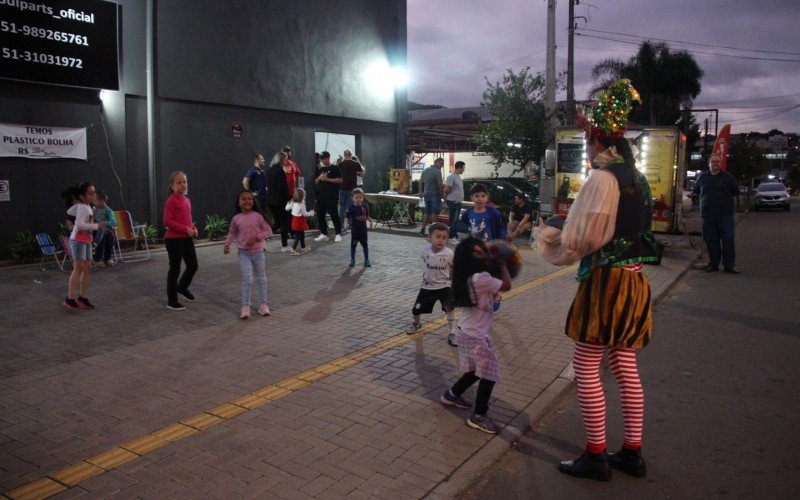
x,y
570,168
657,160
400,180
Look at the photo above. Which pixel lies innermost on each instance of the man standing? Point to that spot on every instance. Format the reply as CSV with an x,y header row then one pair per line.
x,y
255,181
519,219
277,196
351,171
454,192
327,178
293,174
431,187
718,191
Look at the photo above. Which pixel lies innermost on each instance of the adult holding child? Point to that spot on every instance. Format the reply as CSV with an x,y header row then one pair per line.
x,y
608,230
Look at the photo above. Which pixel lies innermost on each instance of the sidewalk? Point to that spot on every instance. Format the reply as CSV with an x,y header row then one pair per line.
x,y
325,398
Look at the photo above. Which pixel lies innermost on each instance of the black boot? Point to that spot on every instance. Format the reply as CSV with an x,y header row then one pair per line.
x,y
629,461
592,465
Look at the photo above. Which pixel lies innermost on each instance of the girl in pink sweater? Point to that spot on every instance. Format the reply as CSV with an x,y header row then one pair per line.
x,y
249,229
178,240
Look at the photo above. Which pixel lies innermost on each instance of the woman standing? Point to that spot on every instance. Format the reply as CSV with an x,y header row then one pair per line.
x,y
608,230
180,231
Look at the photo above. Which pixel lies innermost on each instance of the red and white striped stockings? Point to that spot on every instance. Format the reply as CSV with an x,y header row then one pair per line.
x,y
592,400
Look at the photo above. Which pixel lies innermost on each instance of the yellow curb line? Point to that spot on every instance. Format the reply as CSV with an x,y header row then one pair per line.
x,y
61,480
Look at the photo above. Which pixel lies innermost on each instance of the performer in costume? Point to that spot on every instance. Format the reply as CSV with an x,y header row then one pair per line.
x,y
608,230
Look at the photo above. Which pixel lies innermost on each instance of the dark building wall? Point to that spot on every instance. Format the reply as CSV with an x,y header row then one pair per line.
x,y
282,69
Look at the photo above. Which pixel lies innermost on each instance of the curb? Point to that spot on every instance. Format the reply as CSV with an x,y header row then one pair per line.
x,y
476,465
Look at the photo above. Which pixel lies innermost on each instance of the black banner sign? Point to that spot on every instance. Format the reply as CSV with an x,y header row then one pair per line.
x,y
570,158
64,42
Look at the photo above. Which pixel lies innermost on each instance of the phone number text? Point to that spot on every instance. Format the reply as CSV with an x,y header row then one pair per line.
x,y
45,34
37,57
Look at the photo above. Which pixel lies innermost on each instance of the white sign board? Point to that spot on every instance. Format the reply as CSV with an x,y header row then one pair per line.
x,y
35,141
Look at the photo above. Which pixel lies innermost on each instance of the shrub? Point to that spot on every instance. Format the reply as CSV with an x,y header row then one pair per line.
x,y
216,227
24,248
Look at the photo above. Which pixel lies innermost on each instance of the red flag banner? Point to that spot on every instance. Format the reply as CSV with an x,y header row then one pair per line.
x,y
722,145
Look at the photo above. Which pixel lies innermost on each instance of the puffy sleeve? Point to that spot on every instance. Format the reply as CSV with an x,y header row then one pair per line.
x,y
589,225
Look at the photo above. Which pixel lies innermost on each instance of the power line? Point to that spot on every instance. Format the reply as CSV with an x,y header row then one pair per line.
x,y
696,51
692,43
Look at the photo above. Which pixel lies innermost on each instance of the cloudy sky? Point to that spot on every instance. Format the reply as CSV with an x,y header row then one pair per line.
x,y
748,49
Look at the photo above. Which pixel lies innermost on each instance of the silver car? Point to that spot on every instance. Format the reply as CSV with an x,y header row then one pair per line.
x,y
771,195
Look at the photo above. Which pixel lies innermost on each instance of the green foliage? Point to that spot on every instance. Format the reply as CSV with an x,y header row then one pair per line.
x,y
150,233
667,80
747,162
216,227
24,248
517,104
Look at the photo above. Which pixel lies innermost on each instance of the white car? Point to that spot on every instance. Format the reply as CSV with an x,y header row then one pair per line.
x,y
771,195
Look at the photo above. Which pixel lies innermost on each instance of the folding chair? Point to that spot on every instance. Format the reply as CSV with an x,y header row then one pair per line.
x,y
50,249
127,231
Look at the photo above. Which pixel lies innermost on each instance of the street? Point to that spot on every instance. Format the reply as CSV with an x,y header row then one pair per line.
x,y
720,389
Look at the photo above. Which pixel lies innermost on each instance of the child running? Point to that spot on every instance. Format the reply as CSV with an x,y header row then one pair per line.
x,y
297,206
80,242
249,229
476,282
438,261
358,216
178,240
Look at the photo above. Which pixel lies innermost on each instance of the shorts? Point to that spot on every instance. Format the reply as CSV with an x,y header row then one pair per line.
x,y
433,203
427,298
80,251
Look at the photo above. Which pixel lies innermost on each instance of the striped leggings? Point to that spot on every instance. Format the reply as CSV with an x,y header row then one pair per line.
x,y
593,402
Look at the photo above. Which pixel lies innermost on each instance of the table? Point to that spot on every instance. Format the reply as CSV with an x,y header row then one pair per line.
x,y
395,207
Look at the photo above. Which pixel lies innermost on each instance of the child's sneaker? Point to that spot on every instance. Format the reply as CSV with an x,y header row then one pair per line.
x,y
453,241
263,310
483,423
338,238
412,329
367,264
450,399
187,294
352,263
286,249
305,250
294,253
70,305
111,262
175,306
100,264
321,237
83,303
245,313
451,339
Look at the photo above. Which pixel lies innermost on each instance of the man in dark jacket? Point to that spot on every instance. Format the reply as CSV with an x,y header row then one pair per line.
x,y
718,191
277,197
328,178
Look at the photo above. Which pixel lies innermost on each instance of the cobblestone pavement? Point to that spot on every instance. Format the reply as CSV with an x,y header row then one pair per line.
x,y
325,398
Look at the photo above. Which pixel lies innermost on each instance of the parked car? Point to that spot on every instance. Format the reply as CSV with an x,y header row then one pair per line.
x,y
501,193
771,195
530,187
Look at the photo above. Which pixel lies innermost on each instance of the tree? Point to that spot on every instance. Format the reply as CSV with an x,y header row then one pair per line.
x,y
516,134
666,80
747,162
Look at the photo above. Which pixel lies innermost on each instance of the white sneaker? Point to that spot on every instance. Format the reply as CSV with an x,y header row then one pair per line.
x,y
338,237
263,310
245,312
321,237
286,249
453,241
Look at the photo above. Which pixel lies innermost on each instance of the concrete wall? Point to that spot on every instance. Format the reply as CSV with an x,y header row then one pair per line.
x,y
282,69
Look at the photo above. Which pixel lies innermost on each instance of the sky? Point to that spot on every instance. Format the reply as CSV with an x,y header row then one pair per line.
x,y
749,50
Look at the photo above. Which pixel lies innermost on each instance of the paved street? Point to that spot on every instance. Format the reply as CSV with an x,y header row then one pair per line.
x,y
721,394
325,398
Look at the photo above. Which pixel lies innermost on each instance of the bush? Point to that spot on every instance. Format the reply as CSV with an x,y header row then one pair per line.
x,y
24,248
216,227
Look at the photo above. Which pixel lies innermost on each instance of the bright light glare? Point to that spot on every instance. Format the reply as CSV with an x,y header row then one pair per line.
x,y
381,80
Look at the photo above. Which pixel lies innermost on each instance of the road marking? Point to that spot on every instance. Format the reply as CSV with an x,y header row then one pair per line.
x,y
68,477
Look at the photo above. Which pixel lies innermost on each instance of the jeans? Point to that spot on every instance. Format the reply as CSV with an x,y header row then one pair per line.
x,y
282,220
179,249
345,202
327,207
253,261
453,211
354,241
716,229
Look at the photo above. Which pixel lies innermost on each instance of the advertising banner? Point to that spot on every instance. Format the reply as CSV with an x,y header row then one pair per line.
x,y
657,160
569,169
35,141
721,145
399,180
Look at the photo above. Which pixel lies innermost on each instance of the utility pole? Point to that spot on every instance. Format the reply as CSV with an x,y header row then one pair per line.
x,y
550,67
570,61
